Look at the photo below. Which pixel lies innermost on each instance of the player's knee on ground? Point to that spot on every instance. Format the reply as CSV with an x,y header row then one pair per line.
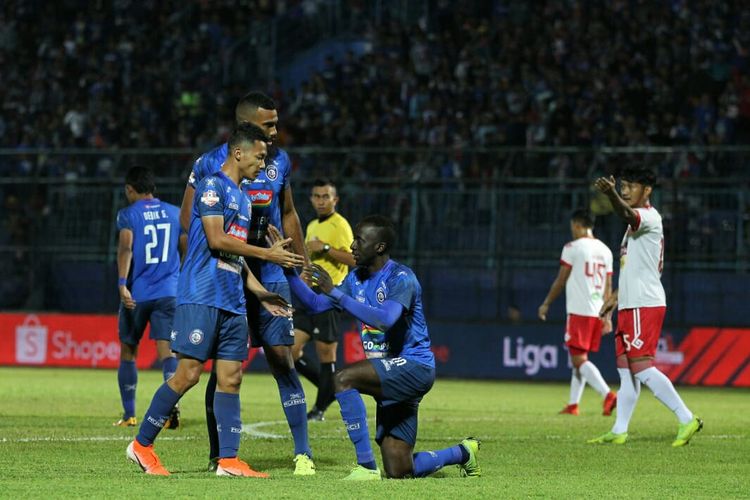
x,y
398,462
128,352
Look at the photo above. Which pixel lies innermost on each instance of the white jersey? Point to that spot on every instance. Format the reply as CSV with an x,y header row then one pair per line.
x,y
641,261
590,261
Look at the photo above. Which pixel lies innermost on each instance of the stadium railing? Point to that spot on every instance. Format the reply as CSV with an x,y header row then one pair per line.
x,y
455,209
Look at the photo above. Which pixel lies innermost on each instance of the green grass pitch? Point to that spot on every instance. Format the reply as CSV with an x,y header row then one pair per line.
x,y
56,440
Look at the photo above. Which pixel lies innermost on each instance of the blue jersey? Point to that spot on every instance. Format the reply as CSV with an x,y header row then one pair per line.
x,y
209,277
408,337
156,237
266,193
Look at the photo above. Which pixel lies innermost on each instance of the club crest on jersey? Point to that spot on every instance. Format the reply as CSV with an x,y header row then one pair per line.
x,y
209,198
196,337
380,295
271,172
260,197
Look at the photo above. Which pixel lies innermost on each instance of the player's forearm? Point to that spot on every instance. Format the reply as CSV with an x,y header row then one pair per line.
x,y
382,318
554,292
124,256
315,303
251,282
187,207
225,243
293,229
621,208
342,256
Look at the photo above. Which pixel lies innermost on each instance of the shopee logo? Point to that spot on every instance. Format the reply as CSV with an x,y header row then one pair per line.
x,y
31,341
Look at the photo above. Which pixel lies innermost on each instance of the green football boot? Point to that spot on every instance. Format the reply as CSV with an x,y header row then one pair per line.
x,y
687,431
360,473
610,437
471,468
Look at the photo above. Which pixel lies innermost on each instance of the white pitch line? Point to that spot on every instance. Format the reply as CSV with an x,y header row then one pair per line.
x,y
50,439
252,429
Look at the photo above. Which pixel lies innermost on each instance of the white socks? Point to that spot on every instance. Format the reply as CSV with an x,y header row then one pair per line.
x,y
577,384
627,397
665,392
590,374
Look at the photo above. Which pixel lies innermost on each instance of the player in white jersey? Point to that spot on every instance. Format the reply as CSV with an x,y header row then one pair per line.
x,y
641,306
586,273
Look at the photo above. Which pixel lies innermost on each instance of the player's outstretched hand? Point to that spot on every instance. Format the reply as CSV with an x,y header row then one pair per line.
x,y
275,304
604,184
273,235
319,277
278,255
126,298
542,312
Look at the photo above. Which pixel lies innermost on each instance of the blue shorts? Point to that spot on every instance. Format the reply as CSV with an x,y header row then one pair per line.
x,y
403,383
266,328
205,332
132,322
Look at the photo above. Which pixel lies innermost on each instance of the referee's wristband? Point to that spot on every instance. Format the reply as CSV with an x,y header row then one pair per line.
x,y
122,281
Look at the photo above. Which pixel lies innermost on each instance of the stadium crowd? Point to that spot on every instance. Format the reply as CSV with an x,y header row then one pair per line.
x,y
553,73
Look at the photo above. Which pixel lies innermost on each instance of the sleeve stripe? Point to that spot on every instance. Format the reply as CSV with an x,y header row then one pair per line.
x,y
563,263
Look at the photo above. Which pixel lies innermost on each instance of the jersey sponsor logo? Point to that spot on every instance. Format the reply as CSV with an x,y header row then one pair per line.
x,y
237,232
196,337
295,399
271,172
210,182
231,266
209,198
260,197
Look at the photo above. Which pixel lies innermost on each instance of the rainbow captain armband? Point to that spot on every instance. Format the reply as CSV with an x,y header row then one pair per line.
x,y
122,281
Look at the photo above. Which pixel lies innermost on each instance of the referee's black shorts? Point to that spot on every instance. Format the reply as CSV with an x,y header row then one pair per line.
x,y
323,327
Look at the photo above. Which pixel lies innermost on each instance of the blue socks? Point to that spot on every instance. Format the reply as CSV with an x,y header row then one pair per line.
x,y
127,379
228,423
295,409
168,367
355,419
427,462
157,414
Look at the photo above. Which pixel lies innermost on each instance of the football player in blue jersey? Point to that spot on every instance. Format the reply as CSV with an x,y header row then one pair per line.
x,y
210,321
148,249
273,204
400,368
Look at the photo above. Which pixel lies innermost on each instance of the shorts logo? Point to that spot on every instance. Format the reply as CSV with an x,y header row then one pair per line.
x,y
209,198
271,172
380,295
173,335
196,337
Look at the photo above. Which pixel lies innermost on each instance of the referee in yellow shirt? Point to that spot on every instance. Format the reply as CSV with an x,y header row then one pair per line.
x,y
328,240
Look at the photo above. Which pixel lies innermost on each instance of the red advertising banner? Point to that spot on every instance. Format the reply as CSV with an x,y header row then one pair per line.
x,y
66,340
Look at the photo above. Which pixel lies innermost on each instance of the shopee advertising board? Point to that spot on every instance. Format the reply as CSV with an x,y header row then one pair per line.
x,y
65,340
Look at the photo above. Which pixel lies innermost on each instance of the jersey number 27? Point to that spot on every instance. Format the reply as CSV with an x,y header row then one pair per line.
x,y
151,231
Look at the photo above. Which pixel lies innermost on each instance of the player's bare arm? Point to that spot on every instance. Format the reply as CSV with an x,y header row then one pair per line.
x,y
213,225
186,207
555,290
292,227
606,185
342,256
124,258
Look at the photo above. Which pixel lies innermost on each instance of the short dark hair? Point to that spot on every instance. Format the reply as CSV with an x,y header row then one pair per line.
x,y
320,182
251,101
385,227
245,132
141,179
641,175
584,217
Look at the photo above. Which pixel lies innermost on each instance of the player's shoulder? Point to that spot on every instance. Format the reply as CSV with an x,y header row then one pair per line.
x,y
402,272
279,162
210,161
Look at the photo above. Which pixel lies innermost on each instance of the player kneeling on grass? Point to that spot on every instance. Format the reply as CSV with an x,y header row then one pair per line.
x,y
210,320
387,298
